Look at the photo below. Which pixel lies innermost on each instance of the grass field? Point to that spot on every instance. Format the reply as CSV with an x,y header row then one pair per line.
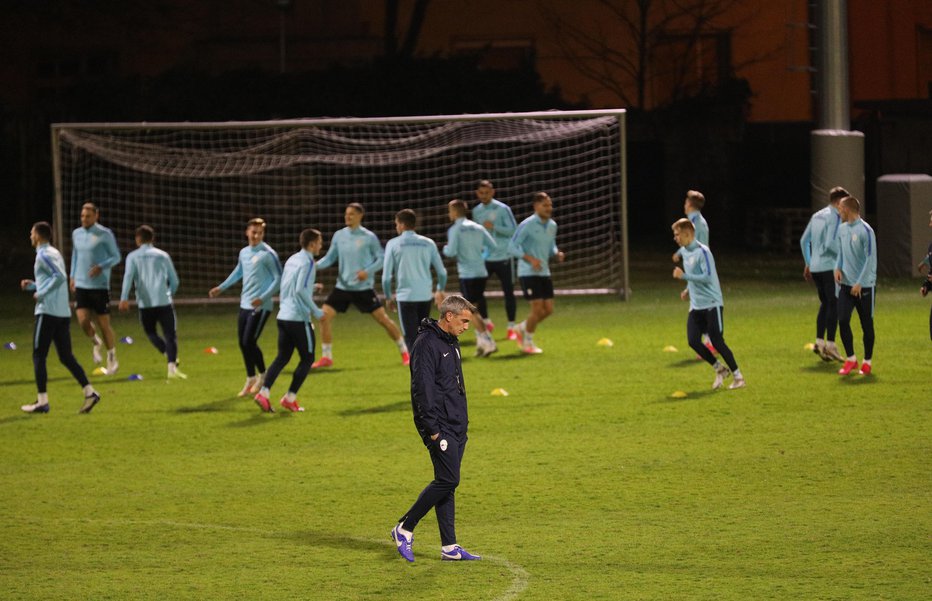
x,y
587,482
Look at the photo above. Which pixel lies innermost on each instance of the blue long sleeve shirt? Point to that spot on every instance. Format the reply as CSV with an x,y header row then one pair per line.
x,y
408,258
95,245
355,249
701,278
261,272
153,274
469,243
51,283
503,226
818,240
701,225
296,299
857,254
538,239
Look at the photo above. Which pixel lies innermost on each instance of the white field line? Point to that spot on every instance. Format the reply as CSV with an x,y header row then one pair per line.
x,y
519,576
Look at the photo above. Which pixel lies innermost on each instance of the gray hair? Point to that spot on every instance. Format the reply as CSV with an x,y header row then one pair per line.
x,y
456,304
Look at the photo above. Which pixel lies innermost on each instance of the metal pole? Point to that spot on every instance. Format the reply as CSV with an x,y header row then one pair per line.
x,y
625,281
833,66
57,209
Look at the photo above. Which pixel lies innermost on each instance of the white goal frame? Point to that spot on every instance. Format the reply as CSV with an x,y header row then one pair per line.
x,y
620,282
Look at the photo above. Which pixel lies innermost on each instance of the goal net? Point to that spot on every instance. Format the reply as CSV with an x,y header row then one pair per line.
x,y
198,184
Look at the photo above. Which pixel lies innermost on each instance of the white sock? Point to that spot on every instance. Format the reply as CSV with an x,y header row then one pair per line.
x,y
97,340
851,358
405,533
448,548
867,362
830,344
172,368
511,325
260,377
291,396
43,398
718,365
264,391
402,347
111,354
89,390
528,338
326,350
738,375
819,342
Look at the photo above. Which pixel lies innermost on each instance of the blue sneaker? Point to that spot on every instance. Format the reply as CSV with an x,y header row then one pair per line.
x,y
458,554
403,544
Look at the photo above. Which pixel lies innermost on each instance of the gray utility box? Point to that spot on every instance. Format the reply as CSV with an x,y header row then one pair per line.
x,y
903,233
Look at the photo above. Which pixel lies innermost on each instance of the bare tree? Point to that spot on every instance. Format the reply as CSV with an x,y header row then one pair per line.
x,y
413,32
640,43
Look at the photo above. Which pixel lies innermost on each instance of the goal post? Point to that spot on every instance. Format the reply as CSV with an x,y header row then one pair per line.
x,y
198,183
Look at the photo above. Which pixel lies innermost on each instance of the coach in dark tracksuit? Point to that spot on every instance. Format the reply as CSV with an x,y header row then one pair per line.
x,y
438,399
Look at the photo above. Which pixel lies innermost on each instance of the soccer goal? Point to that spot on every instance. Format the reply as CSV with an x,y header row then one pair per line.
x,y
198,183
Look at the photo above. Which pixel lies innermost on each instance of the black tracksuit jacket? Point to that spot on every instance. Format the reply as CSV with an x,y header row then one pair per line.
x,y
438,393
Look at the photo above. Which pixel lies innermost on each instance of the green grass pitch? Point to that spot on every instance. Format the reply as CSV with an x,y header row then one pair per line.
x,y
587,482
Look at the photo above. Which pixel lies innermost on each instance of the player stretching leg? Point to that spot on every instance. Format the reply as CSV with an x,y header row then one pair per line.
x,y
534,242
692,207
705,303
151,271
296,306
94,253
498,219
469,243
359,255
261,272
53,320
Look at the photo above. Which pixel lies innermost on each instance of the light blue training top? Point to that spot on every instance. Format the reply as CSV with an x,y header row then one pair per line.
x,y
296,300
151,270
503,226
538,239
857,254
701,226
818,240
355,249
470,244
51,283
261,272
408,258
95,245
705,292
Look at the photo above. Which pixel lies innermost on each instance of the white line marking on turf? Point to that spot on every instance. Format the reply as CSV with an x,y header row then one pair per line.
x,y
519,576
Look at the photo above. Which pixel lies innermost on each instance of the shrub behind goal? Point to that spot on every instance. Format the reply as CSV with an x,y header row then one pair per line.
x,y
198,183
